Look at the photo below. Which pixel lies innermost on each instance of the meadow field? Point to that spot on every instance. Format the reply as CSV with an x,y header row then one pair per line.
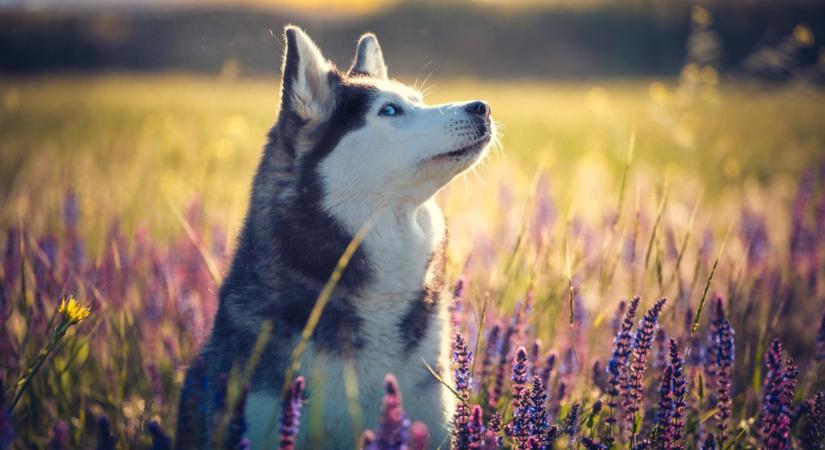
x,y
126,192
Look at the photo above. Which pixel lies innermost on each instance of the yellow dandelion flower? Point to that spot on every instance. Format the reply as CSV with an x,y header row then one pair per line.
x,y
73,310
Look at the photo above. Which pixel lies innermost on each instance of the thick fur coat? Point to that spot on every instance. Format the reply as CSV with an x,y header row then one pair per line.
x,y
347,148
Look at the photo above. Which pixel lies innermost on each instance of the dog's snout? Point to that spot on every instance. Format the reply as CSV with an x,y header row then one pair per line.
x,y
478,108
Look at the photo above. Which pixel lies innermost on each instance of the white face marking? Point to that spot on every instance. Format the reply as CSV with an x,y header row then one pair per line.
x,y
403,156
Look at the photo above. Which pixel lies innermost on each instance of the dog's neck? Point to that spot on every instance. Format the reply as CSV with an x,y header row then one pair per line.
x,y
400,242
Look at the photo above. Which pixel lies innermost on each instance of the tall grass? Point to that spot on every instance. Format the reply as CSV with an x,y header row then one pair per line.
x,y
546,258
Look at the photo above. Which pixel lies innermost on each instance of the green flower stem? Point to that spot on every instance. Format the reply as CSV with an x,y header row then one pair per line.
x,y
29,374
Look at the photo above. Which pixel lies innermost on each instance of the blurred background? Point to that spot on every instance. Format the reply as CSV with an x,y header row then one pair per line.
x,y
570,39
175,97
640,139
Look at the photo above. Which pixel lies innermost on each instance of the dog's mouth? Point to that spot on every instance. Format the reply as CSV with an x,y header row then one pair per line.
x,y
467,151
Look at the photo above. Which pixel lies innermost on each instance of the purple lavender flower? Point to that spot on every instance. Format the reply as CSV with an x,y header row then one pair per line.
x,y
592,444
754,235
549,362
571,425
660,355
475,429
393,425
617,367
537,411
642,343
777,397
492,439
813,430
724,365
463,381
519,428
709,443
535,354
679,392
291,414
462,357
496,389
569,366
663,437
599,376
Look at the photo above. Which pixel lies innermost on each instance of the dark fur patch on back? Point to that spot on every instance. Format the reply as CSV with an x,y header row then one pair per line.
x,y
310,240
413,326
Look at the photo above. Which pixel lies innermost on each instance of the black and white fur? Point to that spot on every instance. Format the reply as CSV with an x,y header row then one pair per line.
x,y
335,158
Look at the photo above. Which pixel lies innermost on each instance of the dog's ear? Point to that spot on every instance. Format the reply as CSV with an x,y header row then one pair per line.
x,y
307,81
369,60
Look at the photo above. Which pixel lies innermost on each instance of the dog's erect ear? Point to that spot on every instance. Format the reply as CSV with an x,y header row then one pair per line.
x,y
369,60
306,86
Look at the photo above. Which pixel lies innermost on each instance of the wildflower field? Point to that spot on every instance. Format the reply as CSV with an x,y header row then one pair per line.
x,y
642,265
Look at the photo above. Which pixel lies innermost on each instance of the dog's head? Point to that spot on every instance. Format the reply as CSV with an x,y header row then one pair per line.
x,y
360,134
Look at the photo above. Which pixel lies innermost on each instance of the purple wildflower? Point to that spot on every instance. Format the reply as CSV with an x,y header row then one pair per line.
x,y
663,437
571,424
777,394
754,235
660,355
538,417
535,352
709,443
519,428
569,366
463,381
496,389
462,357
393,424
642,343
679,392
599,376
617,366
549,362
813,430
291,414
476,429
492,439
592,444
724,365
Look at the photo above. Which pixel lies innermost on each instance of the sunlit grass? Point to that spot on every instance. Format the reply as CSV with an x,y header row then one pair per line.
x,y
602,189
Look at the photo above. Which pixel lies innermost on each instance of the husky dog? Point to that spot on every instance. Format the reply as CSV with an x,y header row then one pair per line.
x,y
347,148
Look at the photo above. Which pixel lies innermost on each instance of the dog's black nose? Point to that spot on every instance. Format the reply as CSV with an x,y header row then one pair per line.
x,y
478,108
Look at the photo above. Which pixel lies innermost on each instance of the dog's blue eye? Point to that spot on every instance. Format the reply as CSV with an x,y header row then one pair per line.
x,y
390,109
